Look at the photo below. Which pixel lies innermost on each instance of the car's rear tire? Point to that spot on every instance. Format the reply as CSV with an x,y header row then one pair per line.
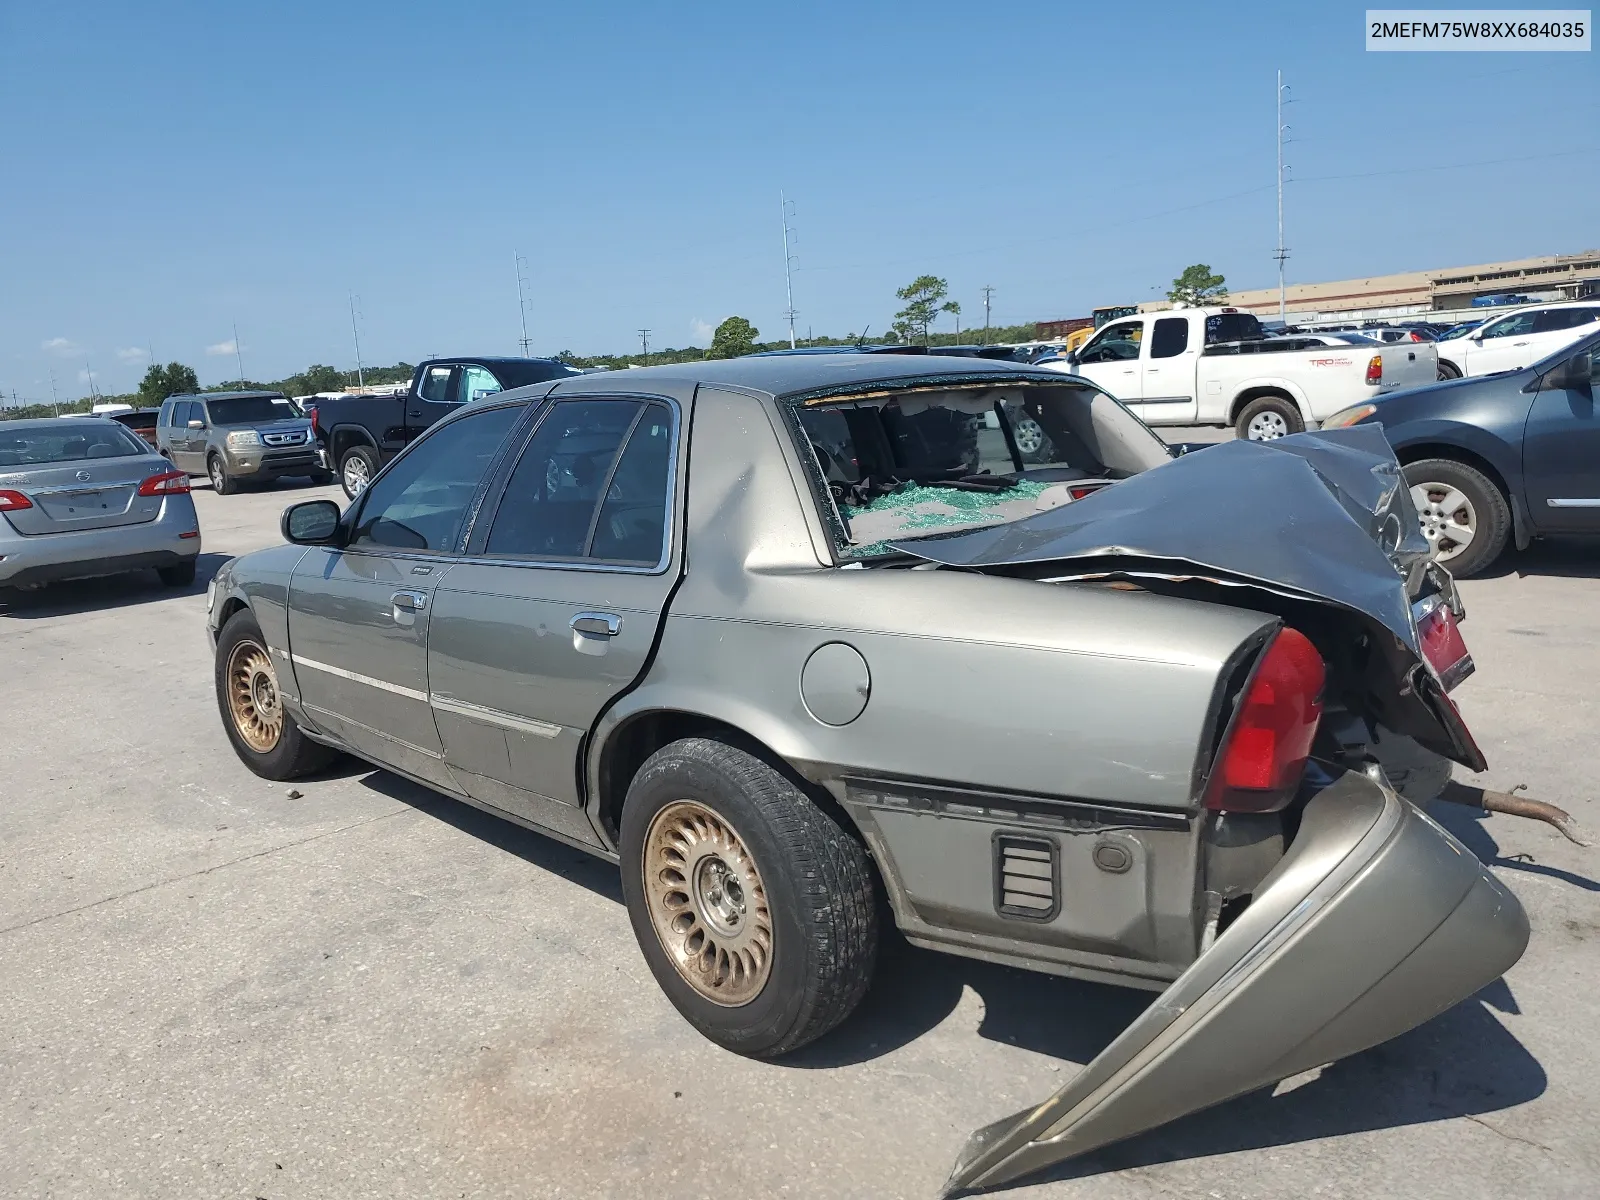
x,y
181,575
221,482
1448,370
753,906
1464,516
263,734
1267,418
356,469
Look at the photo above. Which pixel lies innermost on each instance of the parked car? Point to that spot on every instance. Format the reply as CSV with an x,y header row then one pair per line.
x,y
1214,366
1460,330
1518,339
1399,333
86,497
1174,783
1498,460
141,420
238,437
360,433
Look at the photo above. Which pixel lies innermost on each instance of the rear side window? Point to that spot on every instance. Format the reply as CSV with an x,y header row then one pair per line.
x,y
592,484
1232,327
1170,337
1554,319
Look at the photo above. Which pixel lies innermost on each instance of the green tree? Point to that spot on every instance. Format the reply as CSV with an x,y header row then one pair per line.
x,y
922,296
734,337
1197,286
160,382
320,378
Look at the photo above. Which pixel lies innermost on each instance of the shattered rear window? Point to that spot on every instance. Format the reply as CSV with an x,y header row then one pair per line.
x,y
896,465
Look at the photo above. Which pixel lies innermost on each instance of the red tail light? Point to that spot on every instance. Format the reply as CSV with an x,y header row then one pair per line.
x,y
1375,369
13,501
168,483
1264,757
315,428
1415,336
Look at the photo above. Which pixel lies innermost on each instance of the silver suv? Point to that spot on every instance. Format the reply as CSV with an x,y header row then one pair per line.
x,y
237,436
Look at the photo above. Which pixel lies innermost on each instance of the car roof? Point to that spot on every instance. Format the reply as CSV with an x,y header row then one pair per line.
x,y
484,358
792,375
226,395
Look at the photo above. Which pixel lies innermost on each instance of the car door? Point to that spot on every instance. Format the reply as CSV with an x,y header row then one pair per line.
x,y
555,609
184,438
359,613
1502,345
1111,359
1561,455
438,395
1168,371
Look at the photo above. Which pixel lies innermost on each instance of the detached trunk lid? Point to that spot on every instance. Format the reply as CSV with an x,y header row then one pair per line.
x,y
91,493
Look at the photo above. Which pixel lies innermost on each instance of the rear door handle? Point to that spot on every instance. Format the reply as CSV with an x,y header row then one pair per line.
x,y
597,624
410,601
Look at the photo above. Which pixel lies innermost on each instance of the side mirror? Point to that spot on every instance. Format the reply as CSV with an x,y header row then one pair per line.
x,y
311,523
1072,358
197,424
1574,375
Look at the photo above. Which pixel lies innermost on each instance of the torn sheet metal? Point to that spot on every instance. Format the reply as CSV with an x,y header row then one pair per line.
x,y
1325,517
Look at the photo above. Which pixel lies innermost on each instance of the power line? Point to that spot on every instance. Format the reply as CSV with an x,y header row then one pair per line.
x,y
238,352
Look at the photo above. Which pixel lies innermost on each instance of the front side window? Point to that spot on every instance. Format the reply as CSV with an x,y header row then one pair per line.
x,y
436,385
590,485
1513,326
1170,337
476,383
1114,343
421,501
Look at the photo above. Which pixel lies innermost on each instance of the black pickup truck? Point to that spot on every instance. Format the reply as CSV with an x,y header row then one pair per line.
x,y
361,433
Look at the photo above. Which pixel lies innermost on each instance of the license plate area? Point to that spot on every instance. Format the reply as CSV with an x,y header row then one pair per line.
x,y
85,502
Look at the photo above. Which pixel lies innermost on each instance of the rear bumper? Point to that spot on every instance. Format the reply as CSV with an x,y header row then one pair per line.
x,y
51,558
1375,921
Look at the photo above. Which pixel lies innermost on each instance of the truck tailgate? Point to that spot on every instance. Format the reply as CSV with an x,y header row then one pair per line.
x,y
1408,365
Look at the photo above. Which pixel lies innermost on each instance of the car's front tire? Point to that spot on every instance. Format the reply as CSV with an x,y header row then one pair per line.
x,y
1464,516
221,482
1447,370
262,733
754,907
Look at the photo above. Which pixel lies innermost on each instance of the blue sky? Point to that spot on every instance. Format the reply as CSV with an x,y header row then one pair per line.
x,y
171,169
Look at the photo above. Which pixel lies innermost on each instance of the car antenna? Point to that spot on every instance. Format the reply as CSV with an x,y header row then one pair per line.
x,y
861,339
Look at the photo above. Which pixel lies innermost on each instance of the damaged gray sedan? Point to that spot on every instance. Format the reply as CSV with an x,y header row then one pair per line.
x,y
788,636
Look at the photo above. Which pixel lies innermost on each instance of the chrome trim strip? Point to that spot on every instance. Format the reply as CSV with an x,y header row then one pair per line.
x,y
409,693
1580,502
493,716
388,737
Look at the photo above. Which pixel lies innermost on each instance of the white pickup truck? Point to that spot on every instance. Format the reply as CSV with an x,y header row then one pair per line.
x,y
1216,366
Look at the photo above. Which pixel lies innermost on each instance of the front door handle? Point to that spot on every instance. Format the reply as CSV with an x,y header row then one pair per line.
x,y
410,601
597,624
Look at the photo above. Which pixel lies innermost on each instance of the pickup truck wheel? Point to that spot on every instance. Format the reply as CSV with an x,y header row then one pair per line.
x,y
1464,516
263,735
356,470
753,907
1267,418
221,482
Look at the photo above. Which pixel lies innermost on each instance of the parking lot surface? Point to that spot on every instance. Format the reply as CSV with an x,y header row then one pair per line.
x,y
208,988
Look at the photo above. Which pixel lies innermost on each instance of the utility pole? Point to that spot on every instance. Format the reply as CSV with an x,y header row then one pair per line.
x,y
644,341
1282,252
94,394
519,263
238,352
55,396
361,378
788,267
987,292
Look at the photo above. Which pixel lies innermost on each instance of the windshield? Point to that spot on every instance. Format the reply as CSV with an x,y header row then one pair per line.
x,y
934,461
29,446
243,410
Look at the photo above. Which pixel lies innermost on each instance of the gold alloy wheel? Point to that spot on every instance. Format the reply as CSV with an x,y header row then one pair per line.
x,y
253,698
707,903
